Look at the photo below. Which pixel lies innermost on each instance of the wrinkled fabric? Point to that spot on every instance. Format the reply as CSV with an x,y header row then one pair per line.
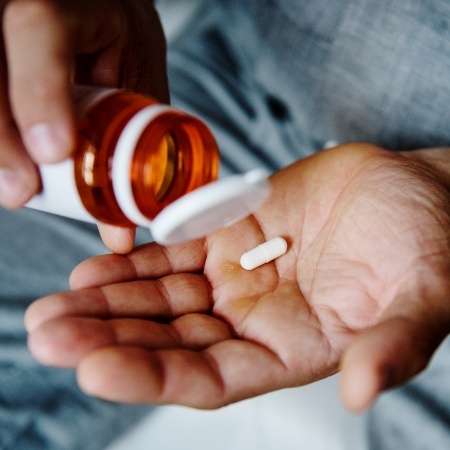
x,y
280,79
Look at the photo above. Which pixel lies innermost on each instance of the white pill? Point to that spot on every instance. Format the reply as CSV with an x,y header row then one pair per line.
x,y
264,253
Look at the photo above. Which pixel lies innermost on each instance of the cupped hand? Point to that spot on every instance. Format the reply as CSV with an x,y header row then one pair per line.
x,y
48,45
363,287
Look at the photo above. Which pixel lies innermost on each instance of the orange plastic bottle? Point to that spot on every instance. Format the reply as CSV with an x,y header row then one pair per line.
x,y
133,157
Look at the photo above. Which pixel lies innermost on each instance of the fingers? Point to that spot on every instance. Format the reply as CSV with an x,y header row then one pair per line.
x,y
393,351
18,175
64,342
118,239
170,297
19,179
225,372
36,116
147,261
39,52
42,39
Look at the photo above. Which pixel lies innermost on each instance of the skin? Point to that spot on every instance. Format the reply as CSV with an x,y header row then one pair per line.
x,y
363,288
46,46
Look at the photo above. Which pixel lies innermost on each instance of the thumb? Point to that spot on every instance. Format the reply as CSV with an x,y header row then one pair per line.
x,y
393,351
38,50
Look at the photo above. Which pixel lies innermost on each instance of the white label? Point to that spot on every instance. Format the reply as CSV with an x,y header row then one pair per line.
x,y
59,193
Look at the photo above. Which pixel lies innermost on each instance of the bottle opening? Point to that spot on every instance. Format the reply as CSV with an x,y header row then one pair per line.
x,y
174,155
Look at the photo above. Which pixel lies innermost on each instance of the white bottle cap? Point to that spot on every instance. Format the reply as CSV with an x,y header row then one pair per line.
x,y
211,207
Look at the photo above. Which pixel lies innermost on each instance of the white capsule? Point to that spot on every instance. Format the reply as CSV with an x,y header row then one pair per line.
x,y
264,253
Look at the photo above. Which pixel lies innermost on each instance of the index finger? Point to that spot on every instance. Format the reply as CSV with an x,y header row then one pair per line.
x,y
148,261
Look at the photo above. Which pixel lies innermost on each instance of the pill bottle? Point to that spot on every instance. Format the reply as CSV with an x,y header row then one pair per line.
x,y
133,157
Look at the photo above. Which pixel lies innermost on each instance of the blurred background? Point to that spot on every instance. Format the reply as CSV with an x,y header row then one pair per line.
x,y
307,418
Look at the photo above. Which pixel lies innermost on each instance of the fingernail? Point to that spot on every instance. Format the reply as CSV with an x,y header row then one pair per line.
x,y
11,188
46,143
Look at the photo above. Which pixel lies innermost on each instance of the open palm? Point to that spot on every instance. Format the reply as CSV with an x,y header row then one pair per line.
x,y
365,276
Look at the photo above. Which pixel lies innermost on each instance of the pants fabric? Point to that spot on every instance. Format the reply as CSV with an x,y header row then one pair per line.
x,y
276,80
42,407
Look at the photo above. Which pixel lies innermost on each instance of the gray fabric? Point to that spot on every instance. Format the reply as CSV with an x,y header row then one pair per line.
x,y
344,70
42,407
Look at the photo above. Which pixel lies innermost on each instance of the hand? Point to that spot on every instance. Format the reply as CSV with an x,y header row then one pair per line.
x,y
47,45
364,286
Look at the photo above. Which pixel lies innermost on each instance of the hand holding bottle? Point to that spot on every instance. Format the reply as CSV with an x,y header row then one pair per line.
x,y
49,44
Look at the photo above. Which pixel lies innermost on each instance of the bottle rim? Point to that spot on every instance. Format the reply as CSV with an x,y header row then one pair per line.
x,y
123,159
